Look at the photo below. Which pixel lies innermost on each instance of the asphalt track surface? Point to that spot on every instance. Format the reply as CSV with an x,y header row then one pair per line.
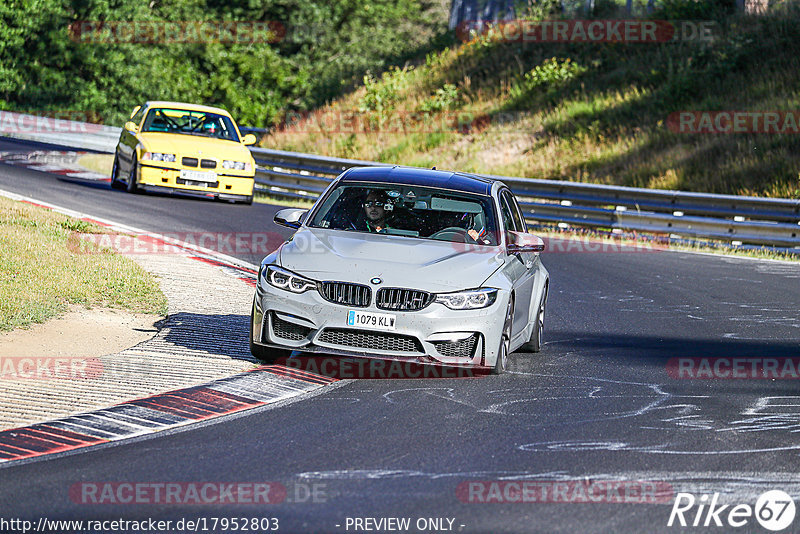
x,y
598,404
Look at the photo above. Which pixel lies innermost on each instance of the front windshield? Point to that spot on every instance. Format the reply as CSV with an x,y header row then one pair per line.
x,y
412,211
181,121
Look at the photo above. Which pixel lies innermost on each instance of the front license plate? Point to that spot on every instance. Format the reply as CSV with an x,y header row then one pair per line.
x,y
371,321
198,176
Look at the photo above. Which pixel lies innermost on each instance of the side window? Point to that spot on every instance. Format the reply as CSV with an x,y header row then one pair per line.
x,y
507,214
516,212
137,119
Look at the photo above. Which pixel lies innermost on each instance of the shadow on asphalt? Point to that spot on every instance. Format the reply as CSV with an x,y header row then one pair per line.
x,y
220,335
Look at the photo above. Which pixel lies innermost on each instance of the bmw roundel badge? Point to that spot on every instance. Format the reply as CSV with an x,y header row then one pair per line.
x,y
376,281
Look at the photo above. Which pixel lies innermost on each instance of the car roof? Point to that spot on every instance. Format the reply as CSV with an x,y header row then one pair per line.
x,y
184,105
424,177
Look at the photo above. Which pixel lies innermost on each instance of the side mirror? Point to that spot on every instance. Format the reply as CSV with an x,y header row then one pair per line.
x,y
249,139
290,218
131,126
137,108
523,242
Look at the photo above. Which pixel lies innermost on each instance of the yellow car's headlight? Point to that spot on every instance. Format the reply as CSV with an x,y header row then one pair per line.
x,y
237,165
158,156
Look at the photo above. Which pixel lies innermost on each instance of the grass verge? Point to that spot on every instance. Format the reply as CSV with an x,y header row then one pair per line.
x,y
101,163
40,276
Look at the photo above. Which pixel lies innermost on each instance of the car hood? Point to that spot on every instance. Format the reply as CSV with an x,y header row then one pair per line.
x,y
194,146
434,266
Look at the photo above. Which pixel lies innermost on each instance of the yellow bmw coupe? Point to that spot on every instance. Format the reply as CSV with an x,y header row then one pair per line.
x,y
187,148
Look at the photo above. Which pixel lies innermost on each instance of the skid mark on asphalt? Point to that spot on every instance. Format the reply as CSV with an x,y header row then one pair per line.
x,y
655,412
263,385
751,312
665,412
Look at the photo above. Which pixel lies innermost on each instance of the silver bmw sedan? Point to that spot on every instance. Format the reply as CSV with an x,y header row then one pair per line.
x,y
405,264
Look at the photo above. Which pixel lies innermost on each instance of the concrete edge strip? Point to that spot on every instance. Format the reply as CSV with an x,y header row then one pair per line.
x,y
263,385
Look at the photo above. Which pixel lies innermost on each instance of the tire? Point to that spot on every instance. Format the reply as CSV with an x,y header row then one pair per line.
x,y
132,187
265,354
248,200
504,351
115,183
536,341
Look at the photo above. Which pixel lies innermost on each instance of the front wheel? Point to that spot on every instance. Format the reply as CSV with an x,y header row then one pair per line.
x,y
132,187
536,342
265,354
501,365
115,181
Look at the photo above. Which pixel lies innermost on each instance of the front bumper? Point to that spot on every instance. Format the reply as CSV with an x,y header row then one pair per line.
x,y
307,322
153,178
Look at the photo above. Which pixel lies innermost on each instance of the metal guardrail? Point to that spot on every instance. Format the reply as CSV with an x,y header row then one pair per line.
x,y
293,175
736,219
59,131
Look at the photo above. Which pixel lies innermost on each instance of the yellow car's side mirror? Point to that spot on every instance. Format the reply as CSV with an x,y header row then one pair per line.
x,y
131,127
249,139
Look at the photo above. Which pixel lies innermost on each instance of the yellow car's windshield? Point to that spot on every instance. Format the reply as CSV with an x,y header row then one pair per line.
x,y
181,121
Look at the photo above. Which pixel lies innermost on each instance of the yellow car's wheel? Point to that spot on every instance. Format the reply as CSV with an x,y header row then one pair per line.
x,y
115,181
132,187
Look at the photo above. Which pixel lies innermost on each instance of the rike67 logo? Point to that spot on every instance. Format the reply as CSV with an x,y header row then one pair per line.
x,y
774,510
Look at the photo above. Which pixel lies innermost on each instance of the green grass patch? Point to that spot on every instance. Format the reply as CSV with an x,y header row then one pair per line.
x,y
41,274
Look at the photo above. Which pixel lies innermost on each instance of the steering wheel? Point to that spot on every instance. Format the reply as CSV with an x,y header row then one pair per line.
x,y
451,233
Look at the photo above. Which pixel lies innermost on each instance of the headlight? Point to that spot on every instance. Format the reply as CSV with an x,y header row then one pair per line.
x,y
158,156
236,165
283,279
472,299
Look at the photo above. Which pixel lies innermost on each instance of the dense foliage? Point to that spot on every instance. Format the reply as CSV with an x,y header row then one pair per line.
x,y
50,61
